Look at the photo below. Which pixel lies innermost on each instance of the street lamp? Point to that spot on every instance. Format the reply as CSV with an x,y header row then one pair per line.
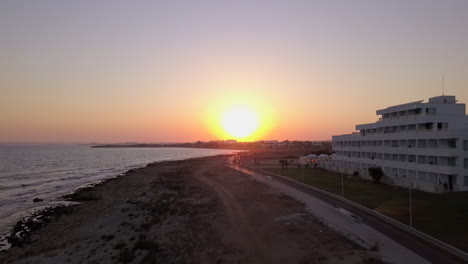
x,y
342,185
410,204
302,170
342,181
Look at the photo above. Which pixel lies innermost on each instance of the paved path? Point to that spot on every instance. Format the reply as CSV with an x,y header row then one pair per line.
x,y
343,221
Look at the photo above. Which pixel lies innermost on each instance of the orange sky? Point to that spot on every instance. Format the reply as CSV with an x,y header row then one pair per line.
x,y
163,72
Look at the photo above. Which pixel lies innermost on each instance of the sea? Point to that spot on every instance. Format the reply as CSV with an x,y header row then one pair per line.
x,y
50,171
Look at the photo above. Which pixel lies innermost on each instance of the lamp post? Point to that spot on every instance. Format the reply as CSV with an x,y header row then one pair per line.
x,y
342,185
342,182
302,172
410,204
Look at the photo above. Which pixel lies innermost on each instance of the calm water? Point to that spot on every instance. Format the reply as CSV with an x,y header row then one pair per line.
x,y
47,172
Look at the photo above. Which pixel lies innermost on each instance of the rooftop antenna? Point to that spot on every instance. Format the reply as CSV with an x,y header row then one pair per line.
x,y
443,84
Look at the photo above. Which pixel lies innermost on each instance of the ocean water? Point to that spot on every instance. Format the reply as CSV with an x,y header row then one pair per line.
x,y
50,171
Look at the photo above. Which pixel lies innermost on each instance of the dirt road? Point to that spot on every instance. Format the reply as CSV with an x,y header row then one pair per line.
x,y
266,226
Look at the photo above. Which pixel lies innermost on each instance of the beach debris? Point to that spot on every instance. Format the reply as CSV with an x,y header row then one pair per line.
x,y
37,200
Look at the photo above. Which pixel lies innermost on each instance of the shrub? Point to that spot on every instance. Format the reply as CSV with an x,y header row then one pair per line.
x,y
284,163
376,173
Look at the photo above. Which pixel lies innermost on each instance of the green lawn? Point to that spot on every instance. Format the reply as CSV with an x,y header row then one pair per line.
x,y
444,216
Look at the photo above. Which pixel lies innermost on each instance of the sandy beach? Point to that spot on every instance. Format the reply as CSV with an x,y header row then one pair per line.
x,y
192,211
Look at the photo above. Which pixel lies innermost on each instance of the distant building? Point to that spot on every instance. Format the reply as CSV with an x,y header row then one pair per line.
x,y
269,141
269,144
419,144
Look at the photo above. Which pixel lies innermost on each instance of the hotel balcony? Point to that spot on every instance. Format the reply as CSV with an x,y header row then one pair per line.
x,y
443,165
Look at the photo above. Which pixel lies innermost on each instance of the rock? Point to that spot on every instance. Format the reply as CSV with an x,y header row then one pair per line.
x,y
37,200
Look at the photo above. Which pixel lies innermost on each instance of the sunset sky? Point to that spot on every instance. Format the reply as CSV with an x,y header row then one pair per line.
x,y
166,71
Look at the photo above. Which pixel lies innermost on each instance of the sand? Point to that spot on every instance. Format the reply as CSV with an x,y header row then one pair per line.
x,y
193,211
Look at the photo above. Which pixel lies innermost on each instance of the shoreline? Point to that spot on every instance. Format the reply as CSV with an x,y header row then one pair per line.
x,y
240,146
187,211
19,233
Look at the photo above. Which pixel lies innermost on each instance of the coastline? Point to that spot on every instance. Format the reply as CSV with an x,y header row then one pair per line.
x,y
173,212
21,231
39,183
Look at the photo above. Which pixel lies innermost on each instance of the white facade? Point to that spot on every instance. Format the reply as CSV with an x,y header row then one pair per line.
x,y
423,144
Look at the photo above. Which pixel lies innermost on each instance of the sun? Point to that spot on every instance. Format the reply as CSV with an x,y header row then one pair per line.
x,y
240,122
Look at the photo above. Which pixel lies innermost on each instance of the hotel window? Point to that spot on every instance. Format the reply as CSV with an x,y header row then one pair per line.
x,y
421,175
421,143
452,143
402,143
402,157
465,182
465,145
466,163
430,111
432,143
432,177
387,143
452,161
442,126
421,159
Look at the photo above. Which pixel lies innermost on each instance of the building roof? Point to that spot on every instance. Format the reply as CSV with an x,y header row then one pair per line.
x,y
401,107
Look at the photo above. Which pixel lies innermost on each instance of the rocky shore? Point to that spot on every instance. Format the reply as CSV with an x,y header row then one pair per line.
x,y
192,211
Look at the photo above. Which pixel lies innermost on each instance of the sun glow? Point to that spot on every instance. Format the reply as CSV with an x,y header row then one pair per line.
x,y
241,116
240,122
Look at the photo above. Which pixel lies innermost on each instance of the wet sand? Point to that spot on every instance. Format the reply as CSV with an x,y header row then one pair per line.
x,y
193,211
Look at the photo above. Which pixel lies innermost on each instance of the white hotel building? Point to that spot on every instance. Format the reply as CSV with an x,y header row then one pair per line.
x,y
422,144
